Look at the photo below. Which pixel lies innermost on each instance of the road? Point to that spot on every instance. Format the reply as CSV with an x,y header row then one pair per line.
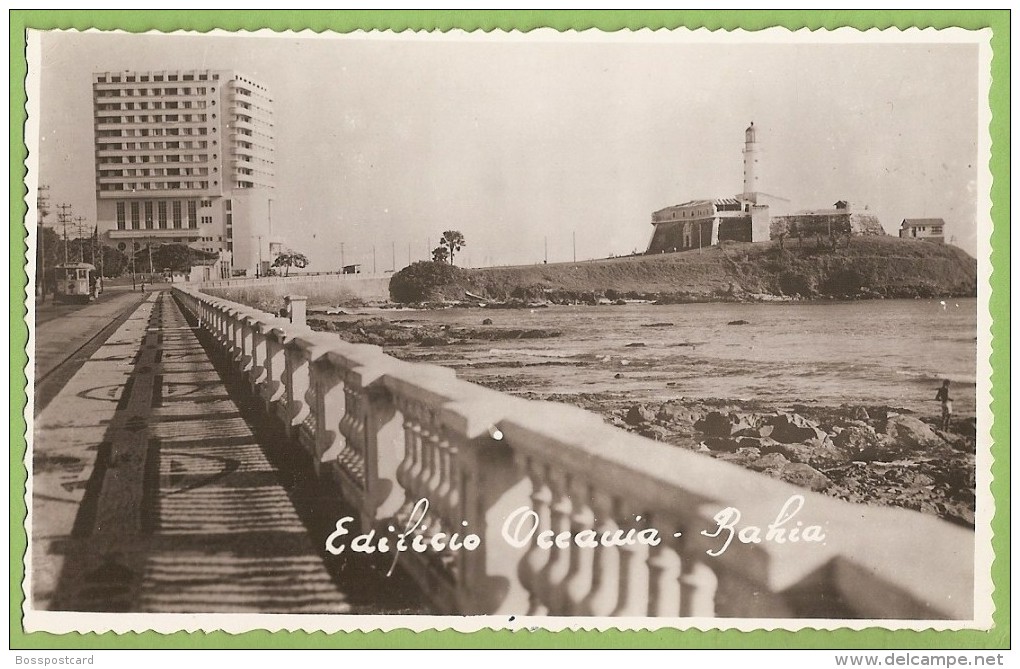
x,y
65,335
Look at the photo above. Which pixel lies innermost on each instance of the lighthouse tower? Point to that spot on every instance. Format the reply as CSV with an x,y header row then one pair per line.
x,y
752,154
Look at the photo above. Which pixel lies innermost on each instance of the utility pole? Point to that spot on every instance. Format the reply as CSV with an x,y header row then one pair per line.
x,y
42,206
80,220
546,241
342,257
393,253
63,217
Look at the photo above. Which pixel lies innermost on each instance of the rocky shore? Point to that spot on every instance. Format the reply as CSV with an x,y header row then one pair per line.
x,y
866,454
405,332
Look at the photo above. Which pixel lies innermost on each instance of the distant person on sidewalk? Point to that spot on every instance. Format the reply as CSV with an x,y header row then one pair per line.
x,y
947,405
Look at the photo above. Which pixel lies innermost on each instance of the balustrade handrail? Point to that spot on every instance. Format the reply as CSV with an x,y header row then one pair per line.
x,y
391,432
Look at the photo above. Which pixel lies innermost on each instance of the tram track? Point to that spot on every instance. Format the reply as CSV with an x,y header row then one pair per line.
x,y
49,380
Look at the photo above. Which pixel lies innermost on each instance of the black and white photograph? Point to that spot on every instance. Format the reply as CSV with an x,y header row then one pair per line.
x,y
475,330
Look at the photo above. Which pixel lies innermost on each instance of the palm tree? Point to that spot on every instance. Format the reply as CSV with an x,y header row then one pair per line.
x,y
454,241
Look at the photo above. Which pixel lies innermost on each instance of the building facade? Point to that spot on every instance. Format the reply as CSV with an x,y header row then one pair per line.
x,y
186,156
928,229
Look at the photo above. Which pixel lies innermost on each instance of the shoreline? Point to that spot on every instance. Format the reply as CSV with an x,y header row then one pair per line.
x,y
863,453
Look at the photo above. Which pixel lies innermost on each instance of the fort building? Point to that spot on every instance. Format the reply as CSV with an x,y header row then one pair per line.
x,y
841,219
743,217
756,216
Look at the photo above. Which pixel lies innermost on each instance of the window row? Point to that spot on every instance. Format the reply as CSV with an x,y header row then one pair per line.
x,y
131,78
157,185
169,158
152,92
157,172
154,215
132,146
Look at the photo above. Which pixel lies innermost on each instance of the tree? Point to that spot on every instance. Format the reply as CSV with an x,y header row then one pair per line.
x,y
440,254
174,257
288,259
454,241
112,262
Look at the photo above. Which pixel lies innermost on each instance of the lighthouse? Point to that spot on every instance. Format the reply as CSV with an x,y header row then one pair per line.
x,y
752,171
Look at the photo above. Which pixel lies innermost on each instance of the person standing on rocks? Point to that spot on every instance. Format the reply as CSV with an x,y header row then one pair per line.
x,y
947,404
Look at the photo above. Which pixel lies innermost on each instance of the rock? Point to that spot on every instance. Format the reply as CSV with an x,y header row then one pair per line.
x,y
860,413
805,476
749,442
676,413
815,452
742,456
911,433
638,415
715,424
657,325
739,322
620,303
636,344
722,444
854,440
656,432
792,428
774,461
487,321
618,376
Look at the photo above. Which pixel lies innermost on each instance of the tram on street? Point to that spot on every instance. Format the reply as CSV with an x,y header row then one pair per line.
x,y
76,282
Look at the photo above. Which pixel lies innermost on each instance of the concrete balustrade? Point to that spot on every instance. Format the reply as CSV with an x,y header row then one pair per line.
x,y
387,434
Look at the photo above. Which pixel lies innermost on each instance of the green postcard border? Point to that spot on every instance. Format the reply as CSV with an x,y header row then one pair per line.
x,y
345,21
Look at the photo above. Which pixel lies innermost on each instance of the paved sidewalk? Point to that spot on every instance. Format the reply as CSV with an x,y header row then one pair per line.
x,y
151,492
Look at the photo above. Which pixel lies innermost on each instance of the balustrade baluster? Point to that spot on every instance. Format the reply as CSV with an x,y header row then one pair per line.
x,y
582,519
435,480
529,571
448,492
664,573
605,588
412,447
329,405
558,568
698,587
418,467
248,326
633,600
257,372
296,380
273,390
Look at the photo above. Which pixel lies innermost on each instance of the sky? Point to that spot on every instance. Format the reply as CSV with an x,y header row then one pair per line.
x,y
552,146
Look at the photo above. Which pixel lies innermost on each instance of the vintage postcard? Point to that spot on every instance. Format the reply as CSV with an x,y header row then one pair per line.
x,y
683,329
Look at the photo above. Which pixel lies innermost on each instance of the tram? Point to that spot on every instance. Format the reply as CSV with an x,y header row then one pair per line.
x,y
76,282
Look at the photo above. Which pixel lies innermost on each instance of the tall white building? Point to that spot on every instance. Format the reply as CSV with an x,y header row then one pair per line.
x,y
186,157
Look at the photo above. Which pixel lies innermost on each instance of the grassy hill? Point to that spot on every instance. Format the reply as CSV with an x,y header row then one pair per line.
x,y
861,267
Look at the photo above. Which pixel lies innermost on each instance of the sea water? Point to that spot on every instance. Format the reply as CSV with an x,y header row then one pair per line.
x,y
875,352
